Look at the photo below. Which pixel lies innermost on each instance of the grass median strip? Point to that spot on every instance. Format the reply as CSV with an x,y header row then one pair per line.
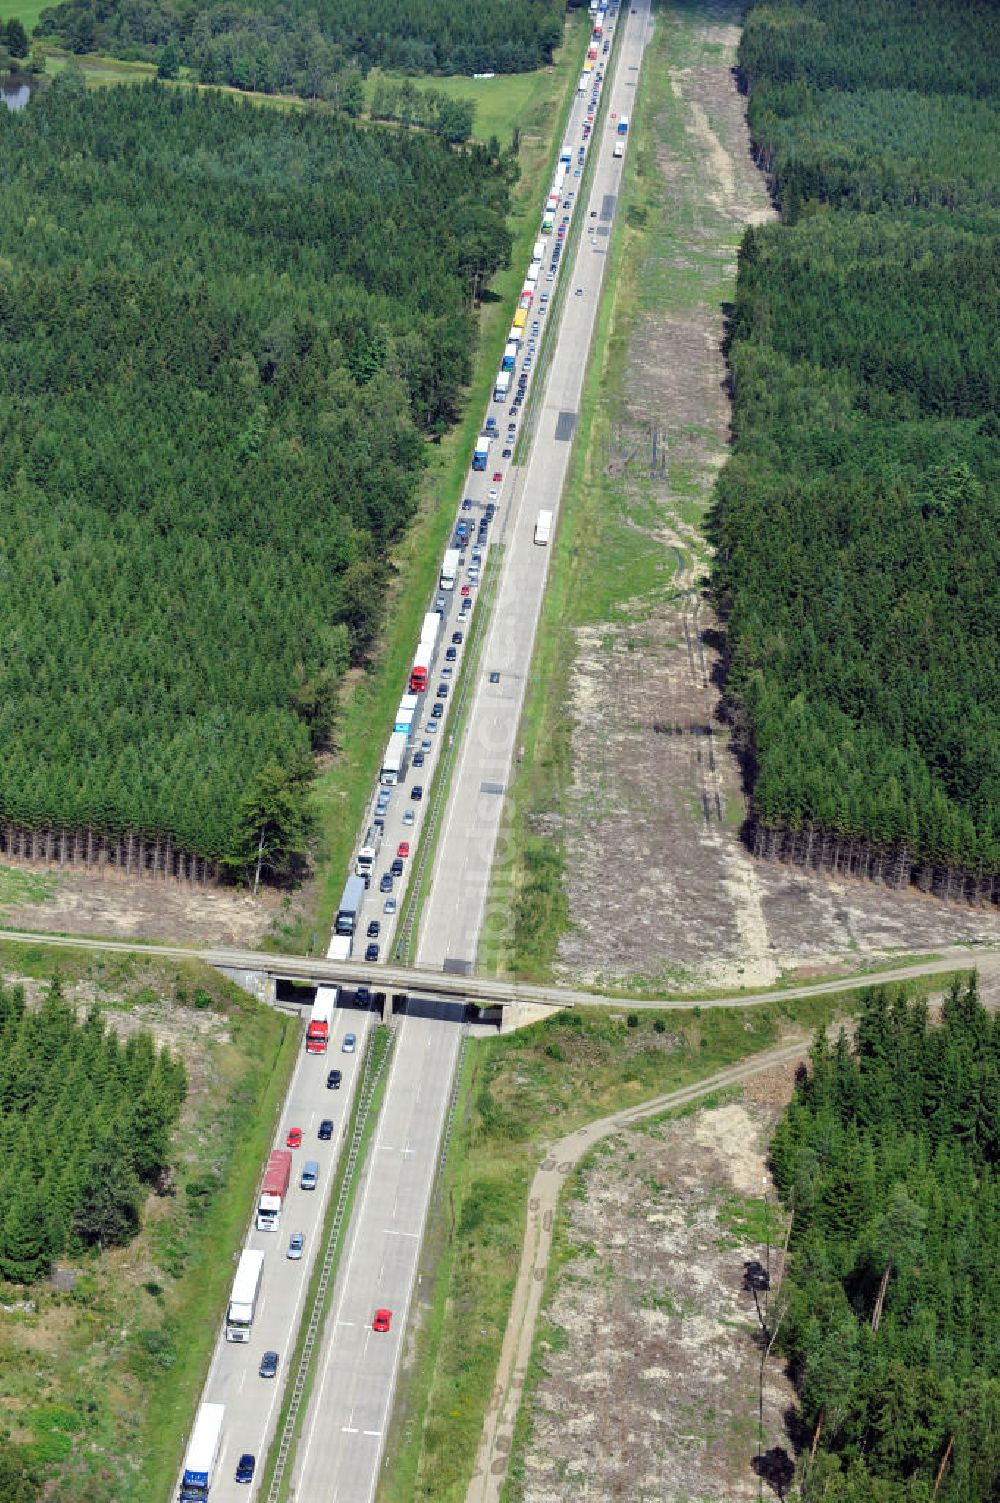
x,y
302,1369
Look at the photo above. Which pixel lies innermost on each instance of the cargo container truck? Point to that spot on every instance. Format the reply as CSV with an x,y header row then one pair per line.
x,y
502,386
449,568
273,1190
481,453
538,254
509,357
623,125
243,1300
202,1456
351,899
431,627
320,1018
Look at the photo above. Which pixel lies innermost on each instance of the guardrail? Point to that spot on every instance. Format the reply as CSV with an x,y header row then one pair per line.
x,y
369,1081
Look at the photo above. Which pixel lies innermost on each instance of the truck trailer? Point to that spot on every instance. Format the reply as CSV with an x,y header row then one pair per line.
x,y
340,947
202,1456
538,254
320,1018
273,1190
502,386
449,568
243,1300
431,627
351,900
393,763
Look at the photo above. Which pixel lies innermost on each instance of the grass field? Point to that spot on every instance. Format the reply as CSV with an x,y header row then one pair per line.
x,y
25,11
104,1376
501,103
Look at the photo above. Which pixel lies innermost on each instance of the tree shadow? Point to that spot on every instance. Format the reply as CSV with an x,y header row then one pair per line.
x,y
777,1469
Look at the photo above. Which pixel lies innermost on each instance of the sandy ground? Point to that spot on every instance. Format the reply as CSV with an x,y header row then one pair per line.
x,y
656,790
647,1368
136,908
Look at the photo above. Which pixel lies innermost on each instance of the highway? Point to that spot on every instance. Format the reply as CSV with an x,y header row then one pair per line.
x,y
252,1403
453,921
344,1437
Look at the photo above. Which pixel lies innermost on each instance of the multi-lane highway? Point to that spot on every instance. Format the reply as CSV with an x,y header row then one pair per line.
x,y
252,1403
344,1430
453,920
345,1433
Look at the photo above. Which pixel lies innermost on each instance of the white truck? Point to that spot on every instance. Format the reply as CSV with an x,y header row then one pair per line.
x,y
364,865
480,453
543,527
449,569
243,1300
340,947
619,149
394,761
431,627
502,385
538,254
202,1456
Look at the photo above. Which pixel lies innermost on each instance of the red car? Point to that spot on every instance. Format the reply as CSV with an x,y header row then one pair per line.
x,y
497,476
466,590
382,1320
403,848
295,1137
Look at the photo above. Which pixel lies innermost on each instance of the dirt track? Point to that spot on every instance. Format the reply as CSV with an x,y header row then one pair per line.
x,y
498,1431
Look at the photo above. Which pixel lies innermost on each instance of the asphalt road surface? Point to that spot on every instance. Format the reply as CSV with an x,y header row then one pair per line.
x,y
453,920
252,1402
339,1457
343,1437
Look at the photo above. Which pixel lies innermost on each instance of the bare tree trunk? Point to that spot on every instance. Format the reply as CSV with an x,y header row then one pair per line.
x,y
260,862
944,1462
880,1299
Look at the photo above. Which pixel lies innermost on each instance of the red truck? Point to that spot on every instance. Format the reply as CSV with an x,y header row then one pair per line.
x,y
318,1032
273,1190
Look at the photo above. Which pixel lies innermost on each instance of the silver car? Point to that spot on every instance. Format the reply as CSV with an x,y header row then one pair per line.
x,y
296,1245
350,1043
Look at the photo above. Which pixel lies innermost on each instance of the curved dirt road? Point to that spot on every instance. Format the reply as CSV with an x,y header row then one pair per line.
x,y
498,1429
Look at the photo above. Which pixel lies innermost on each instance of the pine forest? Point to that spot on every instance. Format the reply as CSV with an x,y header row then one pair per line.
x,y
858,545
887,1161
85,1125
228,332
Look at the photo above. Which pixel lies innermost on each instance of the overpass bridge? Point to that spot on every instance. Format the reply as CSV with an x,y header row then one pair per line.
x,y
514,1002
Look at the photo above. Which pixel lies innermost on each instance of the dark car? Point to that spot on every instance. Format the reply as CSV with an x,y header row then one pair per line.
x,y
333,1080
371,952
269,1365
451,655
325,1130
442,691
437,710
507,454
374,928
245,1467
416,793
418,759
457,638
467,503
397,866
362,996
386,883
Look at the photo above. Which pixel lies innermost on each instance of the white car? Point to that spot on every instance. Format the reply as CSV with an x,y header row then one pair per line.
x,y
350,1043
493,494
408,816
